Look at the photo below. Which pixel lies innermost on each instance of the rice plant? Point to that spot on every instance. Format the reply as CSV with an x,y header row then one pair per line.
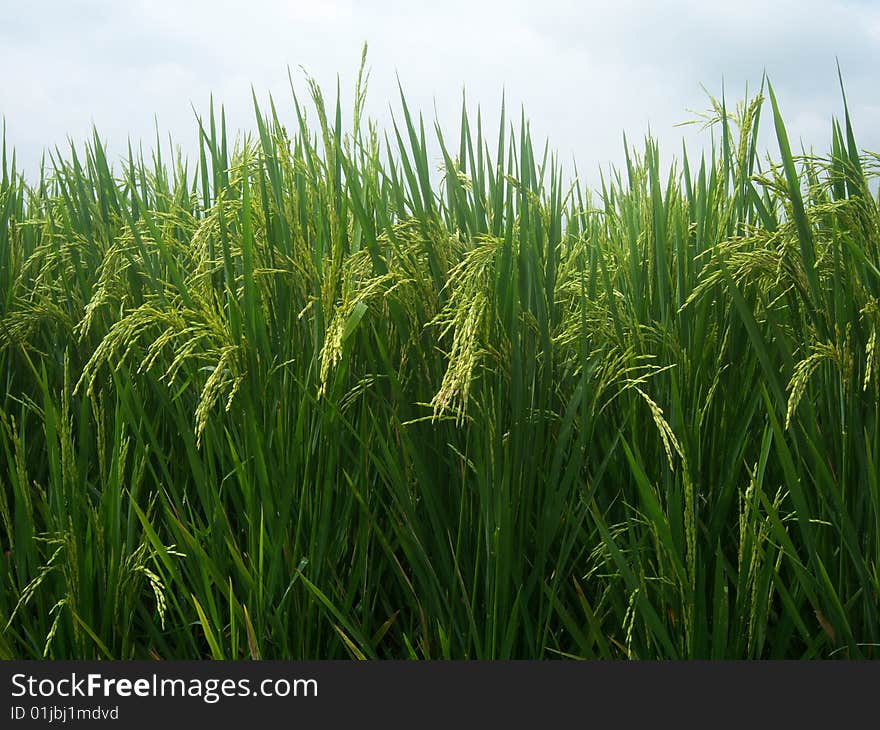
x,y
305,397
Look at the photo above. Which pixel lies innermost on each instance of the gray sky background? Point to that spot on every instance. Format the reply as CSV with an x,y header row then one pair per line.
x,y
584,71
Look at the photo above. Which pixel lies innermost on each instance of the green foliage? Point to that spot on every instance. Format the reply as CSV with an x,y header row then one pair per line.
x,y
310,400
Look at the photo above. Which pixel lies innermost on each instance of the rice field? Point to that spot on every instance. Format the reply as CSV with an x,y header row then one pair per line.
x,y
306,396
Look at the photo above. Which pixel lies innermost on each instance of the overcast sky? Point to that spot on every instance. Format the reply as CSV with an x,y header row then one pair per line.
x,y
584,71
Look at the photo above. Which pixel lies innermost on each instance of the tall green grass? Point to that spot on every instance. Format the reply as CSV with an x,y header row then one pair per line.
x,y
305,397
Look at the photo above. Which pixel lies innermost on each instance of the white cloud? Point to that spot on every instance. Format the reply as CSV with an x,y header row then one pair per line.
x,y
585,71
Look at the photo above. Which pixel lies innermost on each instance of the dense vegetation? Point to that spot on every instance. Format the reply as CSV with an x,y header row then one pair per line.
x,y
310,398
